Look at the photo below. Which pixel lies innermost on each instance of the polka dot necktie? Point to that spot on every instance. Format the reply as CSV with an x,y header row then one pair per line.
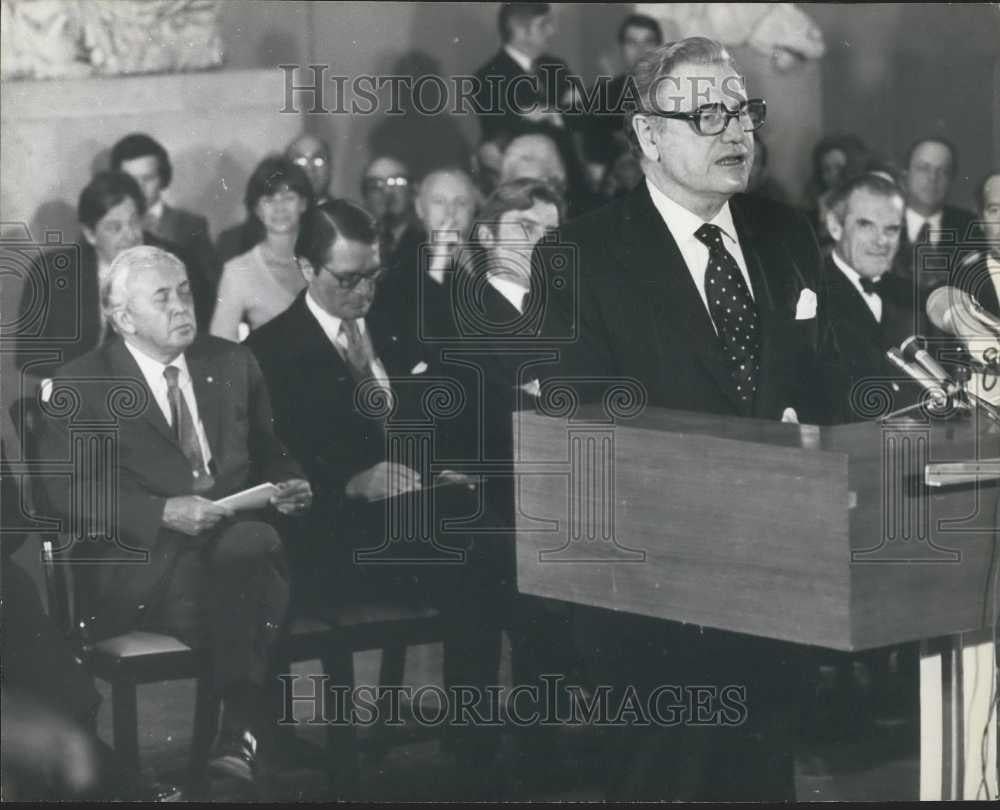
x,y
733,312
184,431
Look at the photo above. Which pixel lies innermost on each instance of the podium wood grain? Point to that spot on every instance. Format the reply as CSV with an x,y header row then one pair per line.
x,y
822,536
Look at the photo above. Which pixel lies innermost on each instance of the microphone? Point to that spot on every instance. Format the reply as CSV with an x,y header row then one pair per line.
x,y
955,311
939,398
913,352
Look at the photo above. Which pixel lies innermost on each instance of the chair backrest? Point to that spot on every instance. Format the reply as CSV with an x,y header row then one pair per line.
x,y
64,592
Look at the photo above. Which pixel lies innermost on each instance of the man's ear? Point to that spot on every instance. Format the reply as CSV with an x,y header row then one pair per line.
x,y
642,126
308,271
418,207
90,236
834,226
122,321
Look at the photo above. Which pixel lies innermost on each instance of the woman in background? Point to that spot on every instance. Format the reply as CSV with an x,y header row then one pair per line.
x,y
264,281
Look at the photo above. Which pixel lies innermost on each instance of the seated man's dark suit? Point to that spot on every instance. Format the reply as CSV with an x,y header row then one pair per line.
x,y
852,344
189,232
319,416
637,314
226,588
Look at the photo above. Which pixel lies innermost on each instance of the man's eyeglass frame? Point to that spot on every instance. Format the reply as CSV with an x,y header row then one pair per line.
x,y
694,118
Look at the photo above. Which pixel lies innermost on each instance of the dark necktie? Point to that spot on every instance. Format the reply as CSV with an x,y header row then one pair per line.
x,y
357,351
184,431
733,311
871,285
923,235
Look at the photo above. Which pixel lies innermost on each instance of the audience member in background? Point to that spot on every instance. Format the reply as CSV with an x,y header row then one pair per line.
x,y
864,310
70,319
933,230
387,191
147,162
605,131
314,356
534,156
761,183
419,287
978,271
834,158
486,161
622,176
310,153
523,89
262,282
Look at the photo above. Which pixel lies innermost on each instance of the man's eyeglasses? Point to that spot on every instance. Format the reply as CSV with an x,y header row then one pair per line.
x,y
348,281
711,119
386,182
303,161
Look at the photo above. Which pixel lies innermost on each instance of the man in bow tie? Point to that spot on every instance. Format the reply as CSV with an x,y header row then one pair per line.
x,y
705,297
865,309
196,429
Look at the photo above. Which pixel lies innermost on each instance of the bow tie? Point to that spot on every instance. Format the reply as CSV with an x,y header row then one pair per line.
x,y
871,285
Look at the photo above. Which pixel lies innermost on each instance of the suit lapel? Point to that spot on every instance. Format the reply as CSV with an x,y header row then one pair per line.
x,y
671,293
123,366
209,397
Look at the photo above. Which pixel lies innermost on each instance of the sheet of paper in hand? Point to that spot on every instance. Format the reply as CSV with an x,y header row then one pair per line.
x,y
254,498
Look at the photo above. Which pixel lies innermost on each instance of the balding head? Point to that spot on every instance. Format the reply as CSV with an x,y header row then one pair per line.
x,y
447,200
313,155
533,156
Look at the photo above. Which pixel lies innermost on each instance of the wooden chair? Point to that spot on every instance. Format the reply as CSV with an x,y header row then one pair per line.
x,y
135,658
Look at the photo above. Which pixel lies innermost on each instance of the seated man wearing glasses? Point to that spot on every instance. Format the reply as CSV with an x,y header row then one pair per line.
x,y
707,298
347,381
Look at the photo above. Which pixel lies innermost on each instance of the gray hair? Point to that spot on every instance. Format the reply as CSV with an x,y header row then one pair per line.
x,y
654,68
114,282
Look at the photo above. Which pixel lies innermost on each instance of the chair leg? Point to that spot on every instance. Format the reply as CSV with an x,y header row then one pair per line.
x,y
125,724
344,769
206,720
391,671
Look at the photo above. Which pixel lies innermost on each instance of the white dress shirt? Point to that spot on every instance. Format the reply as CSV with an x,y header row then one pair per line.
x,y
993,266
523,60
510,290
330,324
914,222
152,370
683,224
873,300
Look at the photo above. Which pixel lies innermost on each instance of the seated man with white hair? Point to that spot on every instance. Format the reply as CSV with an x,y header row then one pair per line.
x,y
196,428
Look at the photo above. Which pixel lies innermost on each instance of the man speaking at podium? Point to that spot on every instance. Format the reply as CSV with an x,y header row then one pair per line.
x,y
706,297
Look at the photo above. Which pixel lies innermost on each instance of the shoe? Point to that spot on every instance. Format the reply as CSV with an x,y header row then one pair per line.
x,y
234,755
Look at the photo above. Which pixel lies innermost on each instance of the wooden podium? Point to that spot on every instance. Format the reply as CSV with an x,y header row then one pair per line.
x,y
820,536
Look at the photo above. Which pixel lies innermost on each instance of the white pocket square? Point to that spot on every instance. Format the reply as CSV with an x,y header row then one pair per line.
x,y
789,416
419,368
806,307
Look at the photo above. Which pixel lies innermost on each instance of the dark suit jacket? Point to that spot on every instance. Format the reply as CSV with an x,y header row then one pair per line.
x,y
637,312
958,227
189,232
234,408
60,308
853,344
313,394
